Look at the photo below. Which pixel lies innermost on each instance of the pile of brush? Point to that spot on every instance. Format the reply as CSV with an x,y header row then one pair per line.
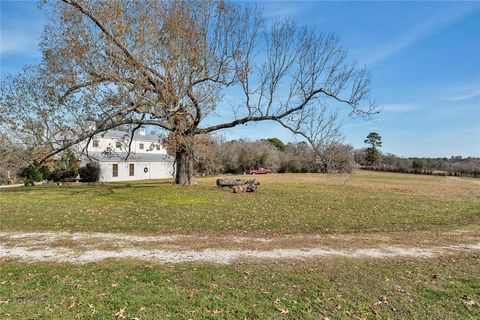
x,y
239,185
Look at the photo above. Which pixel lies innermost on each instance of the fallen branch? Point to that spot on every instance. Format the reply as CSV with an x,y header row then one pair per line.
x,y
237,182
251,187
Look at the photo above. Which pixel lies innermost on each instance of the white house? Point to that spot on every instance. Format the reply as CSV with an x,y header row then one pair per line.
x,y
148,158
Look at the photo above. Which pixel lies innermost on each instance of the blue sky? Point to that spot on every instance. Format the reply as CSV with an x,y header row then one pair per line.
x,y
424,58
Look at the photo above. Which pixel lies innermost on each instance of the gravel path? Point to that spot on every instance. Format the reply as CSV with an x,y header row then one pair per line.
x,y
81,248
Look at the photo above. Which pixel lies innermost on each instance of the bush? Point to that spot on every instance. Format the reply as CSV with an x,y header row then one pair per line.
x,y
31,173
62,174
28,183
47,174
3,180
90,172
56,175
336,158
69,173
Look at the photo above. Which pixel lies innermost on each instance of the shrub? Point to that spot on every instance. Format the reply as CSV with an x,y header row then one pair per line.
x,y
335,158
31,173
69,173
47,174
90,172
62,174
56,175
3,179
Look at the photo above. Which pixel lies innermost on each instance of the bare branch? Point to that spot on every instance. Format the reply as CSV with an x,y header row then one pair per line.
x,y
112,38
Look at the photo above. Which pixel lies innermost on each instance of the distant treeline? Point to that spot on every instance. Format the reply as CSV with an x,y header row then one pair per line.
x,y
453,166
238,156
214,156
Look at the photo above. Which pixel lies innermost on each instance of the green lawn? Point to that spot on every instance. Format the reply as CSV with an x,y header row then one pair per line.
x,y
441,288
444,287
286,203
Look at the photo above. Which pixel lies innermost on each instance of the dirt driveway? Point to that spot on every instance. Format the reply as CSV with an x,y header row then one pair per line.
x,y
69,247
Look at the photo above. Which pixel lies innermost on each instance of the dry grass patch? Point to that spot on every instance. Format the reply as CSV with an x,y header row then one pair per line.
x,y
284,203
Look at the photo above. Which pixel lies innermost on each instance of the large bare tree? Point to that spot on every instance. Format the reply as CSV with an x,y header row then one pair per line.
x,y
169,63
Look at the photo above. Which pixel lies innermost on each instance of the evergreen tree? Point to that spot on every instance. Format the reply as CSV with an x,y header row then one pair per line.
x,y
373,154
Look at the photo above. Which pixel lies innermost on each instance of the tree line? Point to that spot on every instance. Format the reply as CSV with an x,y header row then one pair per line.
x,y
216,156
453,166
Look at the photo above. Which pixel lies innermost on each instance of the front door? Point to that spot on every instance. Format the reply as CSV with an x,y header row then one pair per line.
x,y
146,171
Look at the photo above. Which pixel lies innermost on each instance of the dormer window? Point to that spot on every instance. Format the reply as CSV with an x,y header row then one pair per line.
x,y
141,146
118,144
95,143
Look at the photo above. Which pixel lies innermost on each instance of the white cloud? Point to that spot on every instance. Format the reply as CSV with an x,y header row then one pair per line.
x,y
282,9
424,29
465,94
18,42
398,107
21,27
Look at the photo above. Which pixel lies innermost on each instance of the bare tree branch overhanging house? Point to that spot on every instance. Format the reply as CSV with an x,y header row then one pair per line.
x,y
168,64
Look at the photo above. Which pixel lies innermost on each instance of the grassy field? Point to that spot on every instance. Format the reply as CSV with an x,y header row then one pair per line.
x,y
284,203
369,208
443,288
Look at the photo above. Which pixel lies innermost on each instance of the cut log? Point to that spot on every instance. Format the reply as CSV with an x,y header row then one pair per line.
x,y
237,182
251,187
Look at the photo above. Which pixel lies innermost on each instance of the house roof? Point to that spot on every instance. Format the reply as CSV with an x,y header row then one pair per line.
x,y
134,157
120,134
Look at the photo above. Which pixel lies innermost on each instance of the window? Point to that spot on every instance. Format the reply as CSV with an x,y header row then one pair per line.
x,y
141,146
131,169
114,170
158,147
118,144
95,143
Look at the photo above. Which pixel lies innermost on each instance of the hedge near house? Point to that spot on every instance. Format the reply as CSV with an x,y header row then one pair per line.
x,y
90,172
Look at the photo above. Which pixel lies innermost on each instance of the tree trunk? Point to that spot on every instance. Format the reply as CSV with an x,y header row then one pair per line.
x,y
184,165
237,182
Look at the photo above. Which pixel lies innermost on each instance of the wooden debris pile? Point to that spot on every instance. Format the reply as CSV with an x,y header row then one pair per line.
x,y
239,185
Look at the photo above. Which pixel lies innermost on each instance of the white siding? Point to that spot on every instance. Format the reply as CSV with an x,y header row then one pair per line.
x,y
156,170
148,157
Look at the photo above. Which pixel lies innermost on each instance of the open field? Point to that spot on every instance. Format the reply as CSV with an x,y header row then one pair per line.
x,y
305,246
284,203
440,288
